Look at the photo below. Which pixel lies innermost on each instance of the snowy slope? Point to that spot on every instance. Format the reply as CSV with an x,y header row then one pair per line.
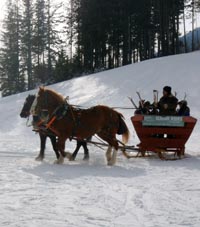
x,y
144,192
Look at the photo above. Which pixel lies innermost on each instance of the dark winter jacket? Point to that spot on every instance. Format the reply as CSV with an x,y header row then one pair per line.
x,y
167,105
184,111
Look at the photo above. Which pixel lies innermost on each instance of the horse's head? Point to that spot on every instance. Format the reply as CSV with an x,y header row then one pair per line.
x,y
25,112
47,101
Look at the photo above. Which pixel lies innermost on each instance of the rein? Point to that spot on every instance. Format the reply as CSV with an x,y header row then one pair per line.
x,y
27,122
114,107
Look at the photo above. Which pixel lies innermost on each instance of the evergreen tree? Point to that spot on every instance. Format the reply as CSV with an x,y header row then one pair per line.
x,y
27,39
54,41
63,68
11,76
114,33
40,31
39,43
102,34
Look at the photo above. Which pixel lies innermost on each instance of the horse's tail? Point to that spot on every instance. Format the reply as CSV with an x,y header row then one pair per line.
x,y
123,129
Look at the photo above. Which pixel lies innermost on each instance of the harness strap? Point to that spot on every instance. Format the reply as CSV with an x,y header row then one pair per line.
x,y
48,126
73,117
51,122
54,131
40,123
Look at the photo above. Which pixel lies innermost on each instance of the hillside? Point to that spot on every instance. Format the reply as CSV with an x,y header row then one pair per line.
x,y
144,192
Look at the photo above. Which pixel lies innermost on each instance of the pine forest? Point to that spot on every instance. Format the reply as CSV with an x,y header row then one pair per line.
x,y
46,41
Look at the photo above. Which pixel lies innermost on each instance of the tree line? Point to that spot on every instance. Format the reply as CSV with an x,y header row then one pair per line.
x,y
44,42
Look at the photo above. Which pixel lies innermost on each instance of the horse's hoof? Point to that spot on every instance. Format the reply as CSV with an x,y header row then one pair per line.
x,y
69,156
39,158
110,163
55,162
86,157
59,161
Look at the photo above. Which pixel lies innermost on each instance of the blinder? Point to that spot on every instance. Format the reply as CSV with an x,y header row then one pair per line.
x,y
44,115
36,118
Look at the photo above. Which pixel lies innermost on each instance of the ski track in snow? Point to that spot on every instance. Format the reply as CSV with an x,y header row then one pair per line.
x,y
140,192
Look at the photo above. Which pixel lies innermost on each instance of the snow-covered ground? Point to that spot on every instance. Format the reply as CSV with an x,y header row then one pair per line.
x,y
142,192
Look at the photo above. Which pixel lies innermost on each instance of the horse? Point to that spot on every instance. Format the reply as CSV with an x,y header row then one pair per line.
x,y
25,113
67,122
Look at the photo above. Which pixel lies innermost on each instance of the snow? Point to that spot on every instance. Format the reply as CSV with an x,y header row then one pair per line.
x,y
140,192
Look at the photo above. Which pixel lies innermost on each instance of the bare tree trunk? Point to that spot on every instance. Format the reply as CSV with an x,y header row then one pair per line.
x,y
71,30
49,42
193,24
29,47
184,29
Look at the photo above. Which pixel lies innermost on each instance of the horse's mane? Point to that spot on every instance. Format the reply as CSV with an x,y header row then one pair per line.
x,y
30,98
57,96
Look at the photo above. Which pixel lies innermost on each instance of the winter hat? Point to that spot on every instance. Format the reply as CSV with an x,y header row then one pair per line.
x,y
183,102
167,89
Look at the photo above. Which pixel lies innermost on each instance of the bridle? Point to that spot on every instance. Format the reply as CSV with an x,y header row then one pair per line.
x,y
44,120
43,117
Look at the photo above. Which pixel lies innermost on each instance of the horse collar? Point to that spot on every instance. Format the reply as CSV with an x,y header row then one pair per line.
x,y
61,111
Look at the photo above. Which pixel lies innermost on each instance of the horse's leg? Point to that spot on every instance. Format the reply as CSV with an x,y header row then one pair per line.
x,y
115,148
78,145
73,156
111,153
61,148
114,157
54,145
86,151
43,139
108,154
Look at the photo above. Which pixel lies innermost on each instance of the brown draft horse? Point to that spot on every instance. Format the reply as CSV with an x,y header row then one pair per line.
x,y
25,113
100,120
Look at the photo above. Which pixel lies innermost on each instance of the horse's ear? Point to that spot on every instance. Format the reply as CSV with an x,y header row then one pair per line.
x,y
41,88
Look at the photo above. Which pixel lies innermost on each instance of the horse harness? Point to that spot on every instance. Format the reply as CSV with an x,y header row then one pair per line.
x,y
45,122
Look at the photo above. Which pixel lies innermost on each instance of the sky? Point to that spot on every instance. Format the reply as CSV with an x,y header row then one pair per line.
x,y
137,192
2,9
